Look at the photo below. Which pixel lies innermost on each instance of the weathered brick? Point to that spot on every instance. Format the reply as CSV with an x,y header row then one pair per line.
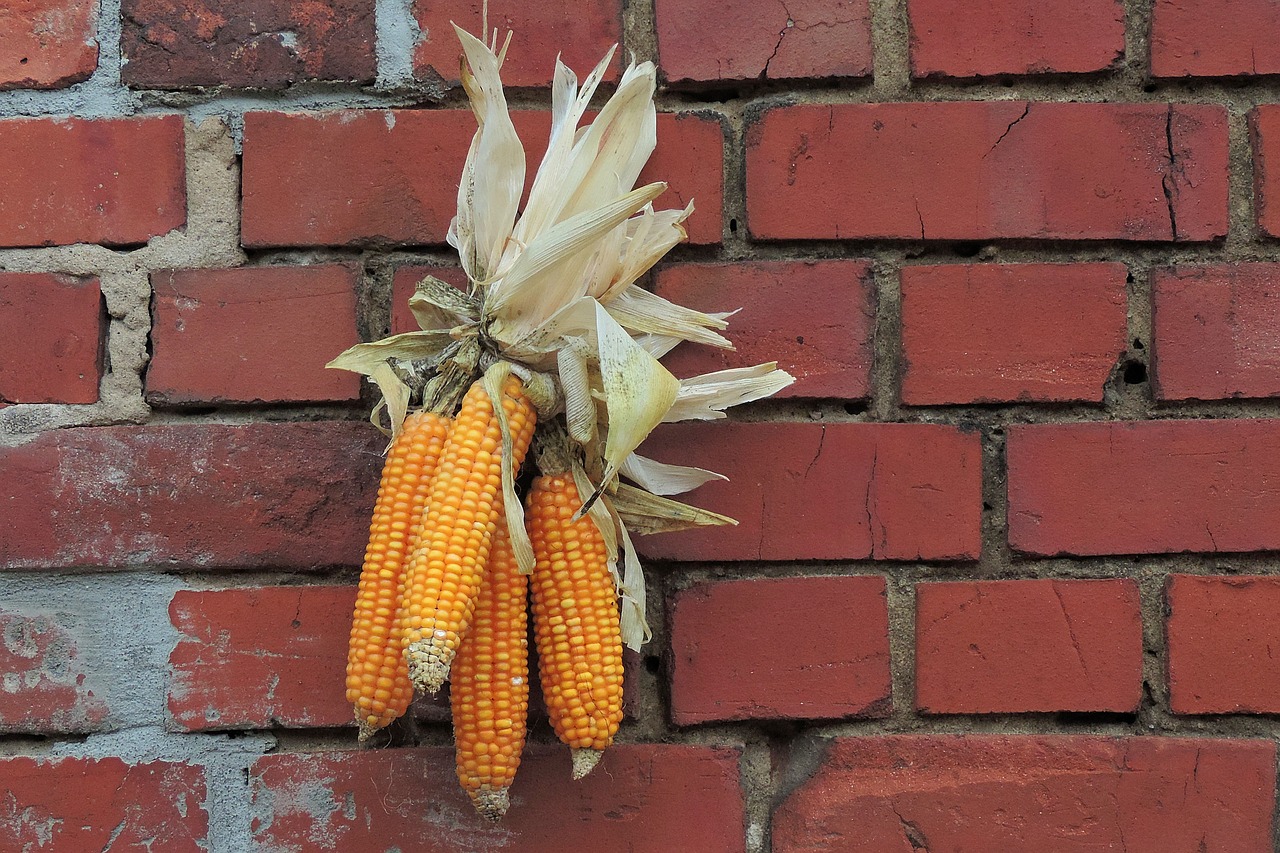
x,y
1264,132
1015,37
117,182
275,328
641,798
260,657
391,176
1214,38
803,491
729,661
751,41
581,33
47,44
77,804
986,333
246,43
1050,794
51,334
279,495
1222,635
402,287
978,170
1214,331
45,686
989,647
1144,488
815,318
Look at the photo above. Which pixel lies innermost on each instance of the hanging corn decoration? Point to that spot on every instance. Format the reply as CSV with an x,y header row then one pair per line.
x,y
553,335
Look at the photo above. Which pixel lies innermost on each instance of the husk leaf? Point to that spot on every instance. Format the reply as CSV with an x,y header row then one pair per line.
x,y
705,397
661,478
647,513
512,507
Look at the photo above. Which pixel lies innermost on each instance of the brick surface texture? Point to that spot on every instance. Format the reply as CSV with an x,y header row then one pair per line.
x,y
278,327
246,43
51,338
47,44
1004,577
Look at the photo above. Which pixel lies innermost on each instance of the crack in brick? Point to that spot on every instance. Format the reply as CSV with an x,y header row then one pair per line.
x,y
1066,617
1168,183
1025,110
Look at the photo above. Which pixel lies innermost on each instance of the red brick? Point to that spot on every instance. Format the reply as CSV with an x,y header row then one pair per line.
x,y
51,335
977,170
846,491
986,333
257,43
1144,488
278,495
815,318
1222,635
1264,131
276,328
1214,331
403,284
117,182
391,176
76,804
727,664
580,32
990,647
45,686
1015,37
47,44
641,798
1049,794
741,40
1214,38
256,658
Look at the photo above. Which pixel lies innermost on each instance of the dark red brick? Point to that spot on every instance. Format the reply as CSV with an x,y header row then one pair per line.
x,y
76,804
978,170
51,335
990,647
261,657
47,44
984,333
815,318
847,491
641,798
728,665
1222,639
246,43
1214,38
1264,132
45,687
275,328
391,176
263,495
1048,794
1214,331
1144,488
581,33
118,182
1015,37
741,40
403,284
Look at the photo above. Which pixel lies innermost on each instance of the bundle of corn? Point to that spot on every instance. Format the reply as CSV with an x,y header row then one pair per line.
x,y
552,344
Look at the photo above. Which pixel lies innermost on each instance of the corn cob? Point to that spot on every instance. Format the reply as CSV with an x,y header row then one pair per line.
x,y
377,676
575,619
489,686
464,505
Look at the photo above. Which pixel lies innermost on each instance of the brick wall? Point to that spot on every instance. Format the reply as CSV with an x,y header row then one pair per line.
x,y
1006,573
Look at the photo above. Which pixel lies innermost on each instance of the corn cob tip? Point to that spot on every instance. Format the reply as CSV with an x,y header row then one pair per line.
x,y
427,672
366,731
584,761
491,803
